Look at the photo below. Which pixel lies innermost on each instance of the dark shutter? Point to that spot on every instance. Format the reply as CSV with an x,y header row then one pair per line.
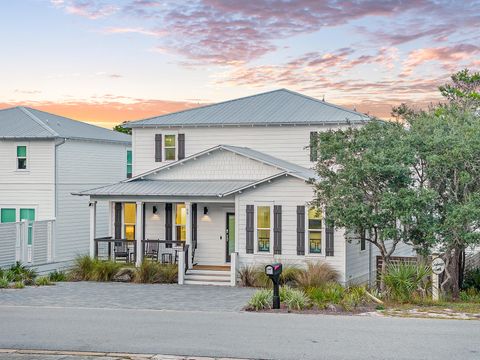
x,y
144,223
168,223
301,230
158,147
249,228
362,240
194,225
181,146
277,229
329,237
118,220
313,146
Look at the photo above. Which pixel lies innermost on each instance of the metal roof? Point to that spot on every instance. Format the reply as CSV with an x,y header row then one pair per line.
x,y
28,123
169,188
278,107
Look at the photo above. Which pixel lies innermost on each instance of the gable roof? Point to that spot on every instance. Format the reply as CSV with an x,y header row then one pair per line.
x,y
278,107
28,123
285,166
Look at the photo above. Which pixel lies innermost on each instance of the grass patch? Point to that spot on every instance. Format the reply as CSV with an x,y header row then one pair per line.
x,y
151,272
57,276
43,281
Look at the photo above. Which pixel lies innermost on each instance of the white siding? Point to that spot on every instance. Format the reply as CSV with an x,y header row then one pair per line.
x,y
288,192
219,165
285,142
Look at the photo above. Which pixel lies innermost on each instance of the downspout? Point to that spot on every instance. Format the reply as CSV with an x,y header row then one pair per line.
x,y
56,176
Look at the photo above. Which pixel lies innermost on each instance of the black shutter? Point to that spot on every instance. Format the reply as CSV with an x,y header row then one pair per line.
x,y
249,228
277,229
158,147
313,146
168,223
362,240
300,230
118,220
194,225
181,146
330,238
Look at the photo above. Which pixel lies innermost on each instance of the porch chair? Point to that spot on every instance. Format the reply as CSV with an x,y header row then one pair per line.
x,y
151,251
121,251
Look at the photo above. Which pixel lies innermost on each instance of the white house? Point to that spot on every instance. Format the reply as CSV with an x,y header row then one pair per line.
x,y
232,181
43,159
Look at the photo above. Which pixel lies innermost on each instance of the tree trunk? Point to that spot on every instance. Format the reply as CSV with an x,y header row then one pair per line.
x,y
453,271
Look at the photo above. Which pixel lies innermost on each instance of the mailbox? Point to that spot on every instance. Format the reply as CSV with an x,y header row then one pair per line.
x,y
273,271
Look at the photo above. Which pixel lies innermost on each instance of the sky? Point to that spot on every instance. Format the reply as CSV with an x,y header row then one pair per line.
x,y
107,61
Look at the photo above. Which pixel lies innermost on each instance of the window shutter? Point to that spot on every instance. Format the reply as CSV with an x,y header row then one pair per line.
x,y
168,223
249,228
301,230
362,240
118,220
277,229
330,238
194,225
158,147
313,146
181,146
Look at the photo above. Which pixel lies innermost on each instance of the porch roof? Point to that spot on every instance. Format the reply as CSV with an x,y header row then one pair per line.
x,y
145,187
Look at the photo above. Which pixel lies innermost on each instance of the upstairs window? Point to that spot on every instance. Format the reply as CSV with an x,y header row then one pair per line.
x,y
170,147
129,163
21,157
264,227
314,230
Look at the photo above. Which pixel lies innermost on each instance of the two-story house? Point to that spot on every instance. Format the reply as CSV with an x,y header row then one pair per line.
x,y
232,181
43,159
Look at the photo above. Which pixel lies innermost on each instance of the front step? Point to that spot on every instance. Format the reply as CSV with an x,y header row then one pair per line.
x,y
207,277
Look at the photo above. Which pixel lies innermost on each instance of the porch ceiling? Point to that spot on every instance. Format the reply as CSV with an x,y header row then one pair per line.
x,y
169,188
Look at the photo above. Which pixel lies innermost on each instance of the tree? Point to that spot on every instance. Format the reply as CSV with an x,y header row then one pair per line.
x,y
367,186
464,90
122,129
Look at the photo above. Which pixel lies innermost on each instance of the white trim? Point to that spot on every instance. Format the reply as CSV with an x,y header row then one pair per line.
x,y
27,157
255,229
164,147
307,232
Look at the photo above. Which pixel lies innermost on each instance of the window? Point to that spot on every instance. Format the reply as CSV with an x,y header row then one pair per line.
x,y
264,226
170,147
129,220
313,146
180,222
8,215
21,157
314,230
28,214
129,163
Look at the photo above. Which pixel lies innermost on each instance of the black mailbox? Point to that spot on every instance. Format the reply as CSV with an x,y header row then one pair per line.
x,y
273,271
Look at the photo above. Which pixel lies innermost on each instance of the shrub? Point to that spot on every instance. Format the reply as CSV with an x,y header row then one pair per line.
x,y
151,272
103,270
4,283
294,299
472,279
404,281
329,293
82,268
19,285
57,276
470,295
315,275
248,276
20,273
353,297
262,299
43,281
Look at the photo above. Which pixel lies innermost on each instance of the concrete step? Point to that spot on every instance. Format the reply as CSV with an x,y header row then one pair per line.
x,y
203,277
208,272
199,282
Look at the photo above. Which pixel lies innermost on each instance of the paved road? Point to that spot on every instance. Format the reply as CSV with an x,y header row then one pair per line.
x,y
237,334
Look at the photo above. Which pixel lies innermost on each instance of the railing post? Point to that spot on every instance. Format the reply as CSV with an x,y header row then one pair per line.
x,y
181,266
233,268
93,224
139,234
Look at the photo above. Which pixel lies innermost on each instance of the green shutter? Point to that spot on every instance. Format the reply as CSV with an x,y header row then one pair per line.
x,y
21,151
129,157
8,215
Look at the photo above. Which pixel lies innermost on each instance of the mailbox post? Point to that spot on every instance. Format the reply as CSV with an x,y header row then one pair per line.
x,y
273,271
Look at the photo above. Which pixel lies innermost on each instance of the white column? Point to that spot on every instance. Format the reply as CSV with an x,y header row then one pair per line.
x,y
181,267
93,226
188,230
111,215
233,268
139,232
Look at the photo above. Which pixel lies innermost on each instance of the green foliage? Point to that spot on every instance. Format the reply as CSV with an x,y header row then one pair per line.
x,y
82,269
151,272
43,281
294,299
248,276
103,270
354,297
20,273
329,293
464,90
57,276
254,275
405,281
261,300
316,274
4,283
122,129
18,285
472,279
470,295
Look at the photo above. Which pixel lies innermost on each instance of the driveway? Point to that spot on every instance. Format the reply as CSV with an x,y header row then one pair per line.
x,y
130,296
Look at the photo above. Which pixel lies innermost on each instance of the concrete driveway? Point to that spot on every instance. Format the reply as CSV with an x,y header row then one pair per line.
x,y
130,296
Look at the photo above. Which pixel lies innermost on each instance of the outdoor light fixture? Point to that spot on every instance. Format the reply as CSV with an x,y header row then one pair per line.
x,y
154,209
205,210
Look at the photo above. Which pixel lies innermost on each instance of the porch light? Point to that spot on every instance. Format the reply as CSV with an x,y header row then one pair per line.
x,y
205,210
154,209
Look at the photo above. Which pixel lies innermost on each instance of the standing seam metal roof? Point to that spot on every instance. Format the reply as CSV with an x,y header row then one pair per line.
x,y
271,108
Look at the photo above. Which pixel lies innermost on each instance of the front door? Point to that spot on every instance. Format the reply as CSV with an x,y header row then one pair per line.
x,y
230,235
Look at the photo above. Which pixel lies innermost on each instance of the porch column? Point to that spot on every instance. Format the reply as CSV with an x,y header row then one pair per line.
x,y
139,232
93,226
188,228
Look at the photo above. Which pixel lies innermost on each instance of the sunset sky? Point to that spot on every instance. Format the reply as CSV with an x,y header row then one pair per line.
x,y
108,61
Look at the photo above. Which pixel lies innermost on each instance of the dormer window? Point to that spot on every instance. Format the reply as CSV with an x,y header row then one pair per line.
x,y
21,157
170,147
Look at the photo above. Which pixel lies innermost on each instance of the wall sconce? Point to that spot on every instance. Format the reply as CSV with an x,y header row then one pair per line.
x,y
205,210
154,209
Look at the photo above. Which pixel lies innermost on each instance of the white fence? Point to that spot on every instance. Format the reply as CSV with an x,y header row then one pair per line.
x,y
31,243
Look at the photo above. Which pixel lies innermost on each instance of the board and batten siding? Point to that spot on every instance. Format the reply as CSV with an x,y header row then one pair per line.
x,y
289,192
285,142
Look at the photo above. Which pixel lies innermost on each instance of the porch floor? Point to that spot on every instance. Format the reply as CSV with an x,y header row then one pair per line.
x,y
212,267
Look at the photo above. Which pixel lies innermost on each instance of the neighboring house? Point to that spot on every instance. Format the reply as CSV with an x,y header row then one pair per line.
x,y
43,159
243,202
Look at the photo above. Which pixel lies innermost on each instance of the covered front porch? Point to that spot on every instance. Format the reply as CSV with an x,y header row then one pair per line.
x,y
198,235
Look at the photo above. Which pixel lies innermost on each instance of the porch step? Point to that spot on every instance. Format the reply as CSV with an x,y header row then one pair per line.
x,y
208,272
207,277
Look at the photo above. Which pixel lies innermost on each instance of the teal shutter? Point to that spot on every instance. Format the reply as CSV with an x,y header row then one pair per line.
x,y
129,163
8,215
